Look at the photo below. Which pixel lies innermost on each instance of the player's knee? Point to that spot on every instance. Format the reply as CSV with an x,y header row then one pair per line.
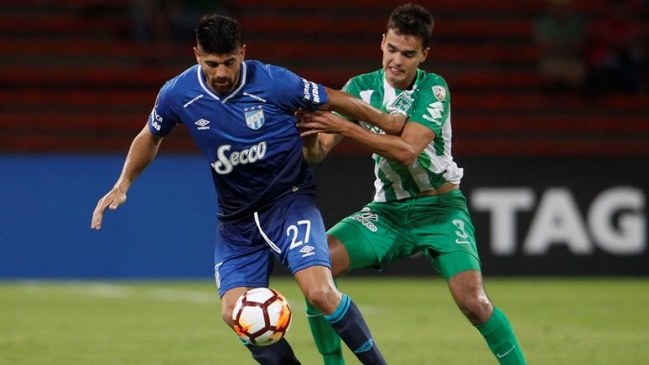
x,y
226,314
228,301
325,298
469,294
477,308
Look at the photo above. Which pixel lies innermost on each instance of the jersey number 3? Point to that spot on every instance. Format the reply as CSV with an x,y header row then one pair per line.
x,y
462,236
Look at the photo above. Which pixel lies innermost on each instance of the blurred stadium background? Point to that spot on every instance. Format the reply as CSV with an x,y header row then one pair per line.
x,y
557,182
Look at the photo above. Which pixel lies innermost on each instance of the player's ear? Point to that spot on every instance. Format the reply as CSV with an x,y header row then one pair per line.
x,y
424,54
197,54
382,41
243,52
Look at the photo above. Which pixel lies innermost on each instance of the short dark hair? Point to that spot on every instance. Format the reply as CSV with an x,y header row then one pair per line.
x,y
412,20
218,34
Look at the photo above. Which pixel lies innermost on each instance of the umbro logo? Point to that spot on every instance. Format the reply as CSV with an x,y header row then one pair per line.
x,y
307,251
202,124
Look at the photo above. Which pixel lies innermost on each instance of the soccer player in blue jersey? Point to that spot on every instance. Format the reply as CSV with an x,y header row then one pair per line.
x,y
240,114
418,205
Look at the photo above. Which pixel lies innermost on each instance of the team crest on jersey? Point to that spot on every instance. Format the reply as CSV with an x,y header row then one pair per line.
x,y
403,102
254,117
439,92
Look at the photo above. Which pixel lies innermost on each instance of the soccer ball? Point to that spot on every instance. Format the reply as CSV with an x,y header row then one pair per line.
x,y
262,316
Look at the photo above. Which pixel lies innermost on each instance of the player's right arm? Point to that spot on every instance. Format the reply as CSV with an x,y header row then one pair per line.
x,y
142,151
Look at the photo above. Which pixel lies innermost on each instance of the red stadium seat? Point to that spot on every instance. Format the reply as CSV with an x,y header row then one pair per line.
x,y
73,79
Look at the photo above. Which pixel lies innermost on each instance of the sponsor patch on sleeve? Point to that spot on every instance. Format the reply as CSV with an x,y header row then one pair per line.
x,y
311,92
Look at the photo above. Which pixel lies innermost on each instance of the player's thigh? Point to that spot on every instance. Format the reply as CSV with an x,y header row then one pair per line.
x,y
443,230
339,256
294,232
318,287
372,237
450,264
238,260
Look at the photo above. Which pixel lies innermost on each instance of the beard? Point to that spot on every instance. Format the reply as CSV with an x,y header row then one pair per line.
x,y
222,86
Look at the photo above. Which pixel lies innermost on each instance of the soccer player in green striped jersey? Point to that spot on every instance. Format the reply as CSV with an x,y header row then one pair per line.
x,y
418,205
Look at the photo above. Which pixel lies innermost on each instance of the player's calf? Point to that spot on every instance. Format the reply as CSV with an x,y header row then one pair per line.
x,y
348,322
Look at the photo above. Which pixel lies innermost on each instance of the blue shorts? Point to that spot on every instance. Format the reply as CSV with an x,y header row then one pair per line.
x,y
290,230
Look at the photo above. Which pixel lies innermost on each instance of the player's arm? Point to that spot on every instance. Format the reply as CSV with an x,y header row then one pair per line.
x,y
317,146
356,109
142,151
404,148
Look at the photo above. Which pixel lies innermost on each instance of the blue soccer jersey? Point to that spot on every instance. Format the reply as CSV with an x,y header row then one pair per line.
x,y
248,136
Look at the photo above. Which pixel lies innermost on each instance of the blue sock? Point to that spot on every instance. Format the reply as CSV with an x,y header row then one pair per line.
x,y
279,353
348,322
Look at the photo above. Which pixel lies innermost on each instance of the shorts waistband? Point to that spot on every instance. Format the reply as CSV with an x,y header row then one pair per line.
x,y
445,188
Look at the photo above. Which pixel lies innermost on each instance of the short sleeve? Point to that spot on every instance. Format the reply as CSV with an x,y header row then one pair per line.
x,y
295,92
433,103
162,118
351,87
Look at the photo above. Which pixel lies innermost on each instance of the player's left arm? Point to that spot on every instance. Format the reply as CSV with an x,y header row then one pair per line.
x,y
405,148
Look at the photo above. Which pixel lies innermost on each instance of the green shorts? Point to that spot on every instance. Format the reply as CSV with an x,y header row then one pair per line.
x,y
438,226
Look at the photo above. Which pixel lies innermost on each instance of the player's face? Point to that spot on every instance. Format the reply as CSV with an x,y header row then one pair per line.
x,y
401,57
221,71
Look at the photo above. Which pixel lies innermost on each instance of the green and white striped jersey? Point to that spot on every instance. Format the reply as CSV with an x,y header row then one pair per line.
x,y
428,103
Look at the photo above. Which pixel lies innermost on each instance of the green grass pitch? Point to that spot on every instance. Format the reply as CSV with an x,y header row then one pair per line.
x,y
558,321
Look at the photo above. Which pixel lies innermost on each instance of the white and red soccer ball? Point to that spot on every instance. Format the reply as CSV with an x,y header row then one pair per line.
x,y
262,316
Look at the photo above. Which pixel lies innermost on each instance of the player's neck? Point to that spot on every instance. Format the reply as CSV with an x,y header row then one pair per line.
x,y
405,85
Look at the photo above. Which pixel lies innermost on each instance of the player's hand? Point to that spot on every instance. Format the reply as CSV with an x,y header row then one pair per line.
x,y
111,200
320,122
390,109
